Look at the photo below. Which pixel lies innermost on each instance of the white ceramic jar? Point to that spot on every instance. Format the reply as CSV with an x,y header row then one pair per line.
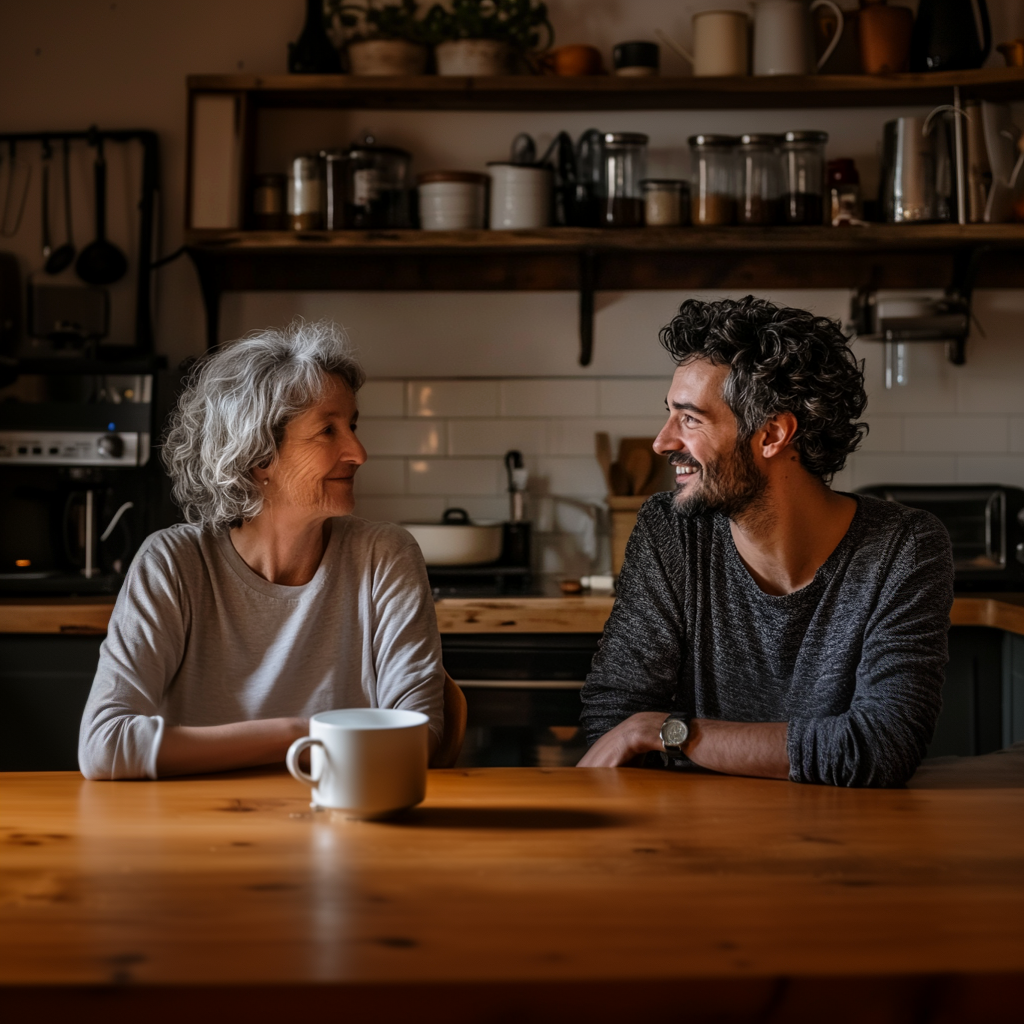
x,y
520,196
452,200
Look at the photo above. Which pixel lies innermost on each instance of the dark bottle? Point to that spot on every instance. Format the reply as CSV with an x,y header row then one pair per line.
x,y
313,53
945,36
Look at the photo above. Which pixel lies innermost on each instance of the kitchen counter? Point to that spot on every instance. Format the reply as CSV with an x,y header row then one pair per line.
x,y
517,894
576,614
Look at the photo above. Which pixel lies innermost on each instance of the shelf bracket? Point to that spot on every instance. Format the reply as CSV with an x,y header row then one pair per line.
x,y
588,260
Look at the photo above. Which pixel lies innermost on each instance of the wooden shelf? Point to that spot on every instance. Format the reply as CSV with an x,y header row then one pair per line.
x,y
653,258
525,92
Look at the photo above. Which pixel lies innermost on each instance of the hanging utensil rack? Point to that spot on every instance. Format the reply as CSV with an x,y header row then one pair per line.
x,y
147,208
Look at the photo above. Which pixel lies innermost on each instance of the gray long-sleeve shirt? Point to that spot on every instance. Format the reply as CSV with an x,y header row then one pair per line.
x,y
854,661
198,638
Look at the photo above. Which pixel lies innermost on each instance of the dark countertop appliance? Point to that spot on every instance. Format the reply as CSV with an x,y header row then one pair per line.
x,y
985,523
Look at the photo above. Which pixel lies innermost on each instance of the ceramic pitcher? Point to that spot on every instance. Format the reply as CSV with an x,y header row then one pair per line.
x,y
782,37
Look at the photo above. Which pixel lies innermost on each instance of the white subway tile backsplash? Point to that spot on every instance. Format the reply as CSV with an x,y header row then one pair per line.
x,y
956,433
455,476
904,469
401,509
382,398
380,476
576,436
885,435
1017,433
452,398
991,395
549,397
643,397
495,437
403,437
989,469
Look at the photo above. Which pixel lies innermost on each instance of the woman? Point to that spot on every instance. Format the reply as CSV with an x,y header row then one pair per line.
x,y
272,602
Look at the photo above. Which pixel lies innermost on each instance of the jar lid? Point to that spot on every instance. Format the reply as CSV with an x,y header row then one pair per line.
x,y
699,141
360,149
806,137
760,140
526,167
469,177
665,185
624,139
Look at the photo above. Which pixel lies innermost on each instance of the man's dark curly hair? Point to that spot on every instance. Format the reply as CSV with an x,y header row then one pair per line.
x,y
781,360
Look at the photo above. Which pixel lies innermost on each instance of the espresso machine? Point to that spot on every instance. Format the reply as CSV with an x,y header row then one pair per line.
x,y
76,480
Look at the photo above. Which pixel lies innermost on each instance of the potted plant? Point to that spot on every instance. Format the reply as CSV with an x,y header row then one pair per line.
x,y
386,40
488,37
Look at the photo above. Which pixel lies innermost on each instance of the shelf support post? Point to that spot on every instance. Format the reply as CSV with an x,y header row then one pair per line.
x,y
588,259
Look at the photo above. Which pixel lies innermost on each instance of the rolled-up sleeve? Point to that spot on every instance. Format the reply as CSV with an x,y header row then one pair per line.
x,y
881,739
121,728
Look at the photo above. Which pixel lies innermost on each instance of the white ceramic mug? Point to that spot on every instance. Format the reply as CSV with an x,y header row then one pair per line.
x,y
520,196
721,44
782,37
369,762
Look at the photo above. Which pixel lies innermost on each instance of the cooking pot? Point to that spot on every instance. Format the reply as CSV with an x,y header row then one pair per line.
x,y
457,541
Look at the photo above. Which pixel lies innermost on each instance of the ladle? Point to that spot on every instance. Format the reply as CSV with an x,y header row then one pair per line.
x,y
64,255
101,262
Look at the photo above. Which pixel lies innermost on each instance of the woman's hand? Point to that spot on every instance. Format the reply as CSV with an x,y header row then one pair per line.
x,y
191,749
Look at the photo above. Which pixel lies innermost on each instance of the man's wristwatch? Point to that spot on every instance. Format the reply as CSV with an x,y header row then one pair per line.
x,y
675,731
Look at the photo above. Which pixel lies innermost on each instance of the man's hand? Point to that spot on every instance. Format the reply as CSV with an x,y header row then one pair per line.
x,y
735,748
637,735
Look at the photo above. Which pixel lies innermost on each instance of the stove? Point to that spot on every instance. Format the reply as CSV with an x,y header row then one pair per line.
x,y
480,580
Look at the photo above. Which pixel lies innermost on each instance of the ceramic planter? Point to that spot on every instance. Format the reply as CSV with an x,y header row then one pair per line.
x,y
473,57
387,57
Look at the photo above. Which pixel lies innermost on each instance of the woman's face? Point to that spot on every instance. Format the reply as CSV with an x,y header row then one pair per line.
x,y
318,458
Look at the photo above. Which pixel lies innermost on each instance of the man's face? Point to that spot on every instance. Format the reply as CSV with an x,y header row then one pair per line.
x,y
714,472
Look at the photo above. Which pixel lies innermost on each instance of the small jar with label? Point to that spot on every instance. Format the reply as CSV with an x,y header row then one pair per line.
x,y
305,191
625,162
844,193
712,185
666,202
757,160
268,202
452,200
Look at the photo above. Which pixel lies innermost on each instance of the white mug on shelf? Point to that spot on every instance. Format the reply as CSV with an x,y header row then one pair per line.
x,y
782,37
369,762
721,44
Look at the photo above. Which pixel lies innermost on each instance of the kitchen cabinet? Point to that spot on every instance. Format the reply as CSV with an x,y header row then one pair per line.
x,y
229,257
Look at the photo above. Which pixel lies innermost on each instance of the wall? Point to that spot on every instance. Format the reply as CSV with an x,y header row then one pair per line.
x,y
501,368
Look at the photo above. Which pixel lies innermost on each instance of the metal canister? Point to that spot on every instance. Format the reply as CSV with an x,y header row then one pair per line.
x,y
305,192
268,202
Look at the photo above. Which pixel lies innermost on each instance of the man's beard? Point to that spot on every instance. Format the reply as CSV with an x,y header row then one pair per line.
x,y
730,485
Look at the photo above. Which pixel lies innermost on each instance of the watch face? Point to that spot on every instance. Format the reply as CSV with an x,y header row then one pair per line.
x,y
674,733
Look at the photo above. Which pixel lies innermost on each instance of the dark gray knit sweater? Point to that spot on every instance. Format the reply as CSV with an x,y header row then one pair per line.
x,y
853,662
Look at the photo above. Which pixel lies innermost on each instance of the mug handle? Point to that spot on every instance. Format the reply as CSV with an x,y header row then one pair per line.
x,y
292,759
839,29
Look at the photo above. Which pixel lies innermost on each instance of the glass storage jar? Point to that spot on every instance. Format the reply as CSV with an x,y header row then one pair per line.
x,y
666,202
376,186
712,188
304,194
625,163
803,177
757,198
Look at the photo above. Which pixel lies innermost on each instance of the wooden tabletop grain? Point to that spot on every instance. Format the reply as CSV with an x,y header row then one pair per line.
x,y
555,887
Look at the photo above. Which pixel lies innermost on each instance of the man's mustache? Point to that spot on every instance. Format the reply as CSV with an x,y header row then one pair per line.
x,y
682,459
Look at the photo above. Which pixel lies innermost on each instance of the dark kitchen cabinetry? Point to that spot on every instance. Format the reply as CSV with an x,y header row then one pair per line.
x,y
44,684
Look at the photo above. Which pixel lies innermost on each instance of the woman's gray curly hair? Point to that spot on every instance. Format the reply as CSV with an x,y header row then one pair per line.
x,y
231,415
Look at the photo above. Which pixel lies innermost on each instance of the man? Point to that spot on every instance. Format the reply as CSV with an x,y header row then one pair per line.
x,y
765,624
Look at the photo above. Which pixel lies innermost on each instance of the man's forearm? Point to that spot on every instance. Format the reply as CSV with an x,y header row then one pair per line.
x,y
735,748
739,748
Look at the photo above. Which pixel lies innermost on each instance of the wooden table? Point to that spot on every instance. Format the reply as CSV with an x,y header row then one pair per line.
x,y
517,895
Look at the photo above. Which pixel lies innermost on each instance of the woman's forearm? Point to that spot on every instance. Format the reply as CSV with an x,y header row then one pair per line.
x,y
188,750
